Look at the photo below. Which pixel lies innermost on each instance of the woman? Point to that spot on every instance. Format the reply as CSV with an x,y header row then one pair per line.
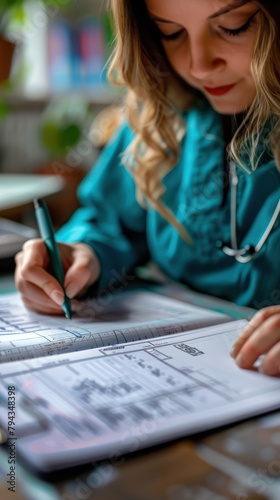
x,y
200,75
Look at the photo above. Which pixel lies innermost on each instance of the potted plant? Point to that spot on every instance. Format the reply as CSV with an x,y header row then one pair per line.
x,y
7,47
11,11
62,129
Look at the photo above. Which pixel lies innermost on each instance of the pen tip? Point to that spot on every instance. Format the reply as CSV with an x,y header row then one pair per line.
x,y
67,308
68,314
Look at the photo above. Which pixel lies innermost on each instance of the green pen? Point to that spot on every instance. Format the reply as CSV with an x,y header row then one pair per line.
x,y
47,234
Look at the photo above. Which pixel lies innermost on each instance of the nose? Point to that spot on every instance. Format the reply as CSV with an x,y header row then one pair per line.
x,y
205,59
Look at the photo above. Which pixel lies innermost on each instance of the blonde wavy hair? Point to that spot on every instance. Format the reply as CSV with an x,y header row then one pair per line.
x,y
262,120
155,95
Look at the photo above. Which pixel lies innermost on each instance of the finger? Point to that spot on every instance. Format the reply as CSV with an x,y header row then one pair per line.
x,y
243,337
84,272
34,294
257,320
35,250
18,261
40,308
51,308
32,260
39,302
271,362
260,342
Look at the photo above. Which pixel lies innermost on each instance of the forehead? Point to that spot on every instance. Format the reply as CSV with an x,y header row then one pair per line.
x,y
208,7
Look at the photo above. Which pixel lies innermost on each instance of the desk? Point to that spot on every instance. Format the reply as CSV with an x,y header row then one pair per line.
x,y
19,189
240,462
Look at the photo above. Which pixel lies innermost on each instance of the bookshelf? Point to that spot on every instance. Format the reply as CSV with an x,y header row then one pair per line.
x,y
62,53
42,78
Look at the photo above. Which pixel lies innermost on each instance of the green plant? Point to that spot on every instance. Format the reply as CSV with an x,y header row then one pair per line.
x,y
14,11
17,18
4,110
10,10
62,126
63,134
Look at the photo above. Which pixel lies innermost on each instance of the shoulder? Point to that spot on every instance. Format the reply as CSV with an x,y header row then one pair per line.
x,y
108,175
122,136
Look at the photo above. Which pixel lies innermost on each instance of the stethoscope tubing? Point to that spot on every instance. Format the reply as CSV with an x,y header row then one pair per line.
x,y
247,253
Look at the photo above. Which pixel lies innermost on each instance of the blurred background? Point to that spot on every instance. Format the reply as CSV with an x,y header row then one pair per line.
x,y
56,107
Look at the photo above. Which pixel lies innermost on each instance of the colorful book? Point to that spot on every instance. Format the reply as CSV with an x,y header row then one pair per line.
x,y
92,52
60,55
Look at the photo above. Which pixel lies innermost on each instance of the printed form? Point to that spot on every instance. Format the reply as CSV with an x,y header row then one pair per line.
x,y
90,405
110,320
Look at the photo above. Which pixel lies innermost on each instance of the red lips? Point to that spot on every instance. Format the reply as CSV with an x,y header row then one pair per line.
x,y
219,90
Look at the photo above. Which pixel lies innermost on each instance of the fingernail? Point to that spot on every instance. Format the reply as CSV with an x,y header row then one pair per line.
x,y
239,360
232,352
57,297
71,291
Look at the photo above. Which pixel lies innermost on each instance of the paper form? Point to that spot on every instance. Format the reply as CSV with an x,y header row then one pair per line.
x,y
97,404
116,319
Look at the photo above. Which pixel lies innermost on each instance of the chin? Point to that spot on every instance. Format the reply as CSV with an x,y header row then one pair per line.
x,y
231,105
228,109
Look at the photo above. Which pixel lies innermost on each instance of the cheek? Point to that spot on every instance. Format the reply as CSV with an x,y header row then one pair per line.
x,y
241,57
175,55
242,64
179,61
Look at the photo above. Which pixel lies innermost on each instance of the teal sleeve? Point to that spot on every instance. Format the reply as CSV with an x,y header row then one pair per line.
x,y
110,219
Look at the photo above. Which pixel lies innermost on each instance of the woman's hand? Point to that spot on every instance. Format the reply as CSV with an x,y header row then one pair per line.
x,y
261,336
40,291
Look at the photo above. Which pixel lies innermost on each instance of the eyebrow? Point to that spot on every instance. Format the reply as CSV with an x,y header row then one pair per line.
x,y
229,8
225,10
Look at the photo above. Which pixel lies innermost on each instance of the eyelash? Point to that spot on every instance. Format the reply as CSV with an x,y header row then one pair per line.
x,y
173,36
238,31
227,31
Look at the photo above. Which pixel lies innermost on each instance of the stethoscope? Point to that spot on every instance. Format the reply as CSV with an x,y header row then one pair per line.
x,y
247,253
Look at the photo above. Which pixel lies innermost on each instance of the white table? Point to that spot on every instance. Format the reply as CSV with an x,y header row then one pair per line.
x,y
20,189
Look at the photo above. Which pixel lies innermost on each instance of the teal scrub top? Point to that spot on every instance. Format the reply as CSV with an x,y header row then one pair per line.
x,y
124,235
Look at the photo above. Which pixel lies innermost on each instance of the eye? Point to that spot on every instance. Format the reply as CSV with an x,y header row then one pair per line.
x,y
238,31
172,36
242,29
